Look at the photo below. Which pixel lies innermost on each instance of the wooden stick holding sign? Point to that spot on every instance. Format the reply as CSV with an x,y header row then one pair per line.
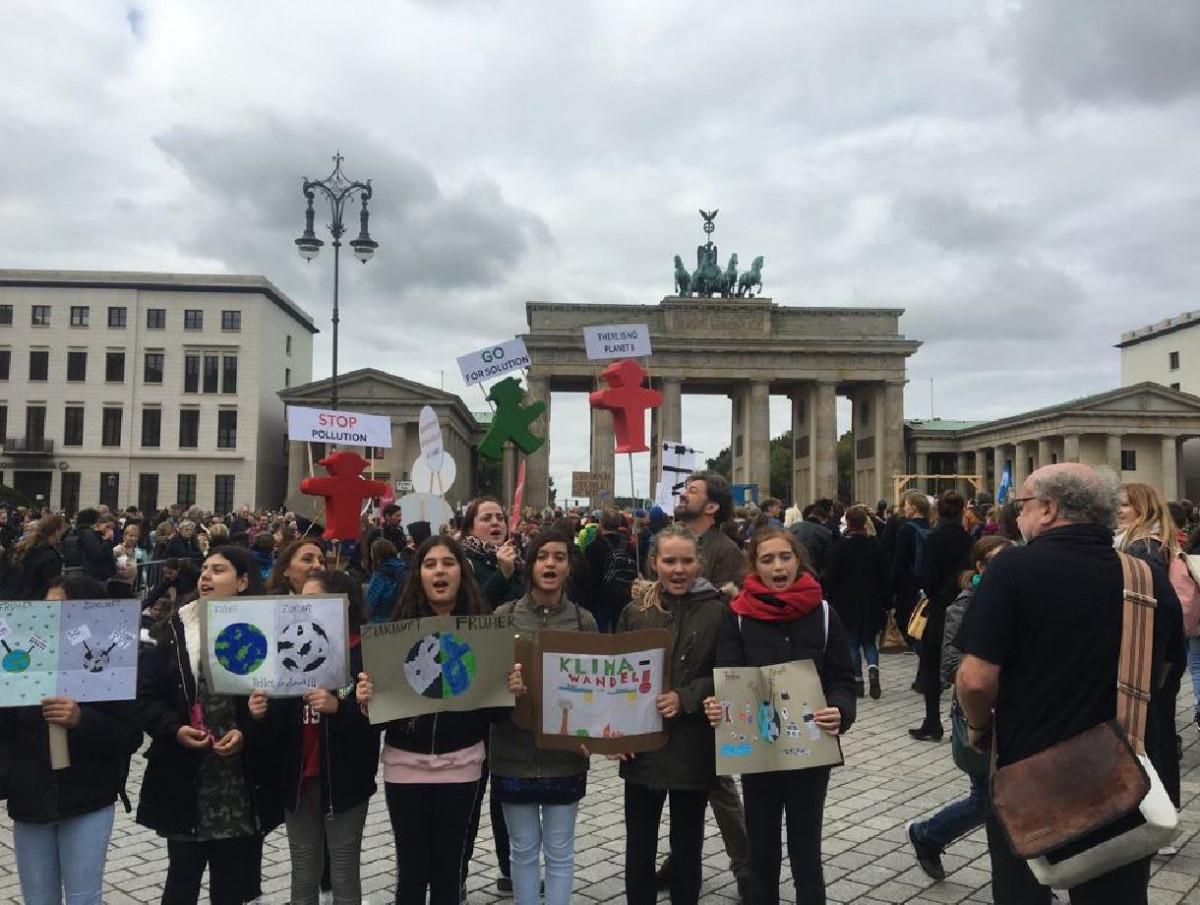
x,y
60,753
518,499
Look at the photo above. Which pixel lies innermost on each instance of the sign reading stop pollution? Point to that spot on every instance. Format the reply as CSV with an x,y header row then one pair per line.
x,y
617,341
494,361
590,483
329,426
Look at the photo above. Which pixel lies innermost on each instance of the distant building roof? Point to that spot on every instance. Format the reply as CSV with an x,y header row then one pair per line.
x,y
483,417
1152,331
941,424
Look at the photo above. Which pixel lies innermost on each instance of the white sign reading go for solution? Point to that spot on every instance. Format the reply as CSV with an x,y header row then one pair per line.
x,y
347,428
494,361
617,341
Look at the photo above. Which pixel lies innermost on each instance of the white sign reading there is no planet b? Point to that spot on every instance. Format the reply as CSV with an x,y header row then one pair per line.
x,y
617,341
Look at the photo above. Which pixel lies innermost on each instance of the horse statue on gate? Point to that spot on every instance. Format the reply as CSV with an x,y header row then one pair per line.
x,y
729,279
750,279
707,277
683,279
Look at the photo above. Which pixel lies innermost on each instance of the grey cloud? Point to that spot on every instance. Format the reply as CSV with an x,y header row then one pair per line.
x,y
949,219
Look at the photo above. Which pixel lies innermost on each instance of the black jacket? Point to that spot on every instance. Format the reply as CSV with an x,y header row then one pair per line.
x,y
905,583
96,554
856,583
495,587
947,553
166,690
100,746
756,642
31,579
817,540
349,748
179,547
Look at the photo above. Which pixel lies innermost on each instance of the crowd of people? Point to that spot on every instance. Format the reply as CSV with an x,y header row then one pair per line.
x,y
1019,608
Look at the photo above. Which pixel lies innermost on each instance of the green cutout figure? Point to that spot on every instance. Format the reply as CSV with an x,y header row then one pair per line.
x,y
511,420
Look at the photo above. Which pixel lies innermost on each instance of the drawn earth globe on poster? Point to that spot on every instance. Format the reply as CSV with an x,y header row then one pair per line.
x,y
303,647
241,648
16,661
440,665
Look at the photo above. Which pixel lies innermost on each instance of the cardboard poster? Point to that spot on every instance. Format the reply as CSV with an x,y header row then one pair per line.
x,y
617,341
286,646
438,663
81,649
596,689
768,723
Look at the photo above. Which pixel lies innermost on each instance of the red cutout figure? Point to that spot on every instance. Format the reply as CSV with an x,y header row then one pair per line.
x,y
344,491
628,400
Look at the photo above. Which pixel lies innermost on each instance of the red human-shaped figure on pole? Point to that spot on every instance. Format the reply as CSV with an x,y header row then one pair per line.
x,y
628,401
344,490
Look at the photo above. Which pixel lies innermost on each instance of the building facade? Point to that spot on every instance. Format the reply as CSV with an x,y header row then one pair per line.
x,y
146,388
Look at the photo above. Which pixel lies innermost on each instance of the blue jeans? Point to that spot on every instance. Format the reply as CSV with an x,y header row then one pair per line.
x,y
534,828
1194,668
954,820
865,641
66,856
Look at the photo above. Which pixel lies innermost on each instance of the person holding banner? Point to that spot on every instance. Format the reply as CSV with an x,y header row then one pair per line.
x,y
63,818
211,786
433,764
684,770
540,790
779,617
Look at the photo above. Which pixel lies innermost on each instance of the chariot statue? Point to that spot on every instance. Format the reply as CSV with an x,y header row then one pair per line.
x,y
708,279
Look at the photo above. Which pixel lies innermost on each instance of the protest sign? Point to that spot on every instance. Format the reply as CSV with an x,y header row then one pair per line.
x,y
493,361
81,649
678,461
596,689
617,341
590,483
286,646
330,426
768,719
438,663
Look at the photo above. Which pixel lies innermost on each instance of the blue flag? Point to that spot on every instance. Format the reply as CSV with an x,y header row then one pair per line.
x,y
1005,483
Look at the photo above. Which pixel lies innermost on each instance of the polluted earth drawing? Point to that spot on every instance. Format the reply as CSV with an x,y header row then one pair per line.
x,y
15,659
241,648
440,665
303,647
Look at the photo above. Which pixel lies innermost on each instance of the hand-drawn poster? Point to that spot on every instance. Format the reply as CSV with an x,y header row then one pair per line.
x,y
81,649
599,690
286,646
768,722
438,663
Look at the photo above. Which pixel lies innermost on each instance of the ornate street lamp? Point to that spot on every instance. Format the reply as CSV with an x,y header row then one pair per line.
x,y
338,190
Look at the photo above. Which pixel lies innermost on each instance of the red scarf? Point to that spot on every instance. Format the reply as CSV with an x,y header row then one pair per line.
x,y
758,601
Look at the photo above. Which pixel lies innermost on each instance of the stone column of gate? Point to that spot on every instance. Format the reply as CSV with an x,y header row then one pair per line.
x,y
666,425
1070,447
1112,452
890,426
1020,464
1045,451
739,395
508,475
758,437
537,465
603,454
802,482
1170,469
824,440
998,452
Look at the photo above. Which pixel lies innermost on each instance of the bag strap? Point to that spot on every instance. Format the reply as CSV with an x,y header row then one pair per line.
x,y
1137,646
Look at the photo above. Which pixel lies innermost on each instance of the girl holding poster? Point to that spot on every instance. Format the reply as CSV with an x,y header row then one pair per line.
x,y
684,769
540,790
206,789
779,617
62,819
432,764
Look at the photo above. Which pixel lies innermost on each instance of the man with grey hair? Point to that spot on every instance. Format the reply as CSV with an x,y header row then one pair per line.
x,y
1041,642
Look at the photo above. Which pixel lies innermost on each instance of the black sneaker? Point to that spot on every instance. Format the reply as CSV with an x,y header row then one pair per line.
x,y
662,879
876,690
860,688
504,885
931,862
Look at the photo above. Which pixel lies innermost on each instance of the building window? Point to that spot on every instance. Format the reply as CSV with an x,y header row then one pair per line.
x,y
287,346
110,489
287,377
5,363
110,430
114,367
3,422
1129,460
151,427
69,501
41,316
148,492
79,315
223,499
73,426
185,491
39,364
231,320
156,318
153,372
227,429
189,428
1174,386
76,366
35,424
191,373
6,315
212,366
116,316
229,374
1173,361
193,319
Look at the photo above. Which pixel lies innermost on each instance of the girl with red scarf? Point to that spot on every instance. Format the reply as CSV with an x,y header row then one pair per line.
x,y
780,617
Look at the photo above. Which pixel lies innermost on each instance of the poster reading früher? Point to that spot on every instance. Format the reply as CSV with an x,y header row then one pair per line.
x,y
285,646
601,690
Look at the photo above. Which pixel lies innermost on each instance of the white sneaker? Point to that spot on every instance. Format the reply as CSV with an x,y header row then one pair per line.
x,y
1168,851
326,897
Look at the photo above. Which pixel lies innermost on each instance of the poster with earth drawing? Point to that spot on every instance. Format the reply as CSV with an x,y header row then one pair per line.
x,y
286,646
438,663
768,719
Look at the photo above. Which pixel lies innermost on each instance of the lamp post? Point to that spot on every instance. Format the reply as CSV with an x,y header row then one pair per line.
x,y
338,190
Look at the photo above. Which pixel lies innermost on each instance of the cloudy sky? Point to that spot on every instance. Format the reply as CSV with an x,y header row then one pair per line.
x,y
1022,178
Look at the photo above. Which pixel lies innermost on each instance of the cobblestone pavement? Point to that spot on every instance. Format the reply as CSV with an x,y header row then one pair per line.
x,y
888,780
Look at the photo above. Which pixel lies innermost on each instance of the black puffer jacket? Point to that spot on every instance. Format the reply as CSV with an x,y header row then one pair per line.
x,y
31,579
166,691
100,746
688,759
